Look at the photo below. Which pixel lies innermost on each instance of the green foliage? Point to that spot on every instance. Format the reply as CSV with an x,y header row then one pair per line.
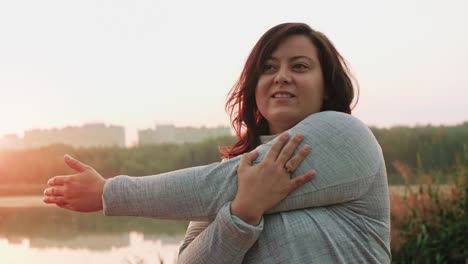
x,y
36,166
435,231
439,151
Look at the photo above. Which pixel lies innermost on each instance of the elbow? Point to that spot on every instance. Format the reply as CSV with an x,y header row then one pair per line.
x,y
351,141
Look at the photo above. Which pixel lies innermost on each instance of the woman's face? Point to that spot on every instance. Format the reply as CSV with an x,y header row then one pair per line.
x,y
291,86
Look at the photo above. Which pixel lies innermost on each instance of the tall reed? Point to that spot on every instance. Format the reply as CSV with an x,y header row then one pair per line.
x,y
430,222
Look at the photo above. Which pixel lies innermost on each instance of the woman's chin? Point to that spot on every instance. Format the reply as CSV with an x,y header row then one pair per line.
x,y
283,123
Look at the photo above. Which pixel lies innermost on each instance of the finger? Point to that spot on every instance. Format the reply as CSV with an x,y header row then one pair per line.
x,y
275,149
289,149
53,199
58,180
296,160
251,157
54,191
248,158
75,164
64,205
244,160
301,180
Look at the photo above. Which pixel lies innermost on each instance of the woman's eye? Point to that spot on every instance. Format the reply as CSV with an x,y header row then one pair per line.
x,y
268,68
300,67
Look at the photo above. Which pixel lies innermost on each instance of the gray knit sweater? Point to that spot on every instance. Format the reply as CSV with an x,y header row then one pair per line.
x,y
341,216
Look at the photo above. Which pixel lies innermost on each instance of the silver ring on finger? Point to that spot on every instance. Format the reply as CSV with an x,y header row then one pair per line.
x,y
287,169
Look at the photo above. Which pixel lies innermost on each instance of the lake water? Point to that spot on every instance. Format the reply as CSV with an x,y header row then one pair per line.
x,y
31,232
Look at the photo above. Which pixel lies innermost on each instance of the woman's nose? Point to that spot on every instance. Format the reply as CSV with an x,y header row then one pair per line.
x,y
282,77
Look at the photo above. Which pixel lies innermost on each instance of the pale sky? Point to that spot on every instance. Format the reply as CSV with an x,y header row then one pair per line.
x,y
141,63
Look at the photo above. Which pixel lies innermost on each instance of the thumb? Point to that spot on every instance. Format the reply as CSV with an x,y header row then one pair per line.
x,y
75,164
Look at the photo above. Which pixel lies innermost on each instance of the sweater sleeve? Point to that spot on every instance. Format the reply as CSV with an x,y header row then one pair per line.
x,y
227,239
344,154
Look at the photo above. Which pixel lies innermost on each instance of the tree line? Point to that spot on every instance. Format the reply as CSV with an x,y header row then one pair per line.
x,y
439,151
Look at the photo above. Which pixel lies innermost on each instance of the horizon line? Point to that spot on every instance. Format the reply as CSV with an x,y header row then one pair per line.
x,y
126,127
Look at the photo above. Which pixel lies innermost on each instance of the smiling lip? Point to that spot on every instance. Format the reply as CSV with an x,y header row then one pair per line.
x,y
282,95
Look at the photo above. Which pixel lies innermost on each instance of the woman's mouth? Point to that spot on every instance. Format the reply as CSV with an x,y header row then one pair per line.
x,y
283,94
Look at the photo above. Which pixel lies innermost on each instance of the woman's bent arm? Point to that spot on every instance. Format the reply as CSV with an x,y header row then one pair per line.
x,y
225,240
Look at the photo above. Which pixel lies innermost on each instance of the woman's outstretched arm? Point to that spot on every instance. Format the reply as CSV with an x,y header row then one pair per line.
x,y
346,159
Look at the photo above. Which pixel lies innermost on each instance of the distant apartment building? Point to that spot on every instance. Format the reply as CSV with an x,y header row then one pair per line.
x,y
171,134
11,141
88,135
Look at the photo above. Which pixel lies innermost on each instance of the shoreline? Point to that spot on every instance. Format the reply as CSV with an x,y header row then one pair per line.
x,y
23,201
35,200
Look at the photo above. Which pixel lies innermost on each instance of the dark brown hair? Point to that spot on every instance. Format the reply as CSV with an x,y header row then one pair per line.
x,y
247,121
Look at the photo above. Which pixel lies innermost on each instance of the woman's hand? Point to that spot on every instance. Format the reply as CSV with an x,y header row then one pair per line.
x,y
80,192
263,185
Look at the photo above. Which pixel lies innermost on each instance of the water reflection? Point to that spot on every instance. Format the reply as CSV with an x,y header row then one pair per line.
x,y
138,250
58,224
53,235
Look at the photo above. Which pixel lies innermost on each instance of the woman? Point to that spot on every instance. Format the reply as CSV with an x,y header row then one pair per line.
x,y
294,82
